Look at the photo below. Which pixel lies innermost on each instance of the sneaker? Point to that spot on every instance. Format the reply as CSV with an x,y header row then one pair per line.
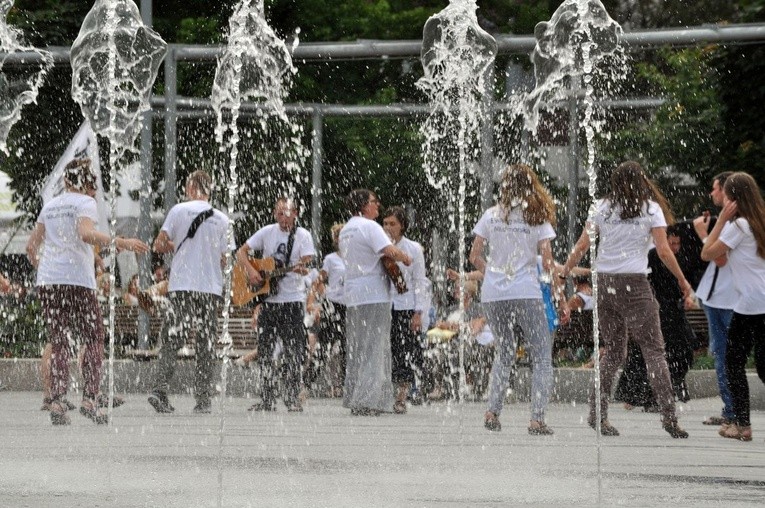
x,y
262,406
159,402
491,422
295,408
203,408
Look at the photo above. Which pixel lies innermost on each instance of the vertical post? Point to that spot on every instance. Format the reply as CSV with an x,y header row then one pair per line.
x,y
171,126
317,141
487,139
573,174
144,196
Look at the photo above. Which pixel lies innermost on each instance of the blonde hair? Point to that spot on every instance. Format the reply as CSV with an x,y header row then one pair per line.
x,y
201,181
335,231
520,186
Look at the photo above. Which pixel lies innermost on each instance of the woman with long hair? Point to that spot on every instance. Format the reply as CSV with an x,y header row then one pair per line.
x,y
628,222
740,234
517,230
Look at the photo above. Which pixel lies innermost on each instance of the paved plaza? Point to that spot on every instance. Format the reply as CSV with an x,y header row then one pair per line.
x,y
436,455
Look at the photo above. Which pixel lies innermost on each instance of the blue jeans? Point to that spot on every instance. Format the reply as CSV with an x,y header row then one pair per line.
x,y
528,315
719,323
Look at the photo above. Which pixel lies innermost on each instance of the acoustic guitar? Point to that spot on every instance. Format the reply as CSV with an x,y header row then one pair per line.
x,y
394,274
242,292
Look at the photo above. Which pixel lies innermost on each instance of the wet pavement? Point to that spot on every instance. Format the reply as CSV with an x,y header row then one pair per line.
x,y
436,455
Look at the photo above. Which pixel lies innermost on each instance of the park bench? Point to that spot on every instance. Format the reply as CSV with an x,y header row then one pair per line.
x,y
698,321
242,337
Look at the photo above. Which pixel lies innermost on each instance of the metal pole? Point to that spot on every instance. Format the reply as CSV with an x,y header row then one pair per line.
x,y
317,141
144,197
573,183
171,126
487,139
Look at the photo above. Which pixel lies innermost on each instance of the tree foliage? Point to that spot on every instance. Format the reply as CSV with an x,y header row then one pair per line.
x,y
710,121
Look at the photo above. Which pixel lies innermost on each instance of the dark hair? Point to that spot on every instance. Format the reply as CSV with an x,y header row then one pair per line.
x,y
743,189
674,230
720,178
77,174
631,189
357,200
400,215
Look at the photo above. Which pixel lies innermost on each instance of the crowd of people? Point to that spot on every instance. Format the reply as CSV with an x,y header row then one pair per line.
x,y
368,316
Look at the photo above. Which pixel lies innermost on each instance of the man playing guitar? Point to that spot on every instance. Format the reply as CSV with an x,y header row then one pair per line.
x,y
281,315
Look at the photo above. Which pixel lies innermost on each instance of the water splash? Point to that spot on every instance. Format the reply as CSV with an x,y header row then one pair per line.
x,y
256,66
457,56
578,58
579,44
115,60
18,87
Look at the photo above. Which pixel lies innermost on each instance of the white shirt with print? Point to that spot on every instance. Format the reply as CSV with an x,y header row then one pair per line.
x,y
511,264
748,268
624,243
66,259
361,244
271,241
197,261
417,296
334,266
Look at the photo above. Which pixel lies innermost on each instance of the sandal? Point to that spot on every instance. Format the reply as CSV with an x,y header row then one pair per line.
x,y
491,422
674,429
58,414
606,429
262,406
103,401
539,428
47,402
399,407
735,431
89,410
365,411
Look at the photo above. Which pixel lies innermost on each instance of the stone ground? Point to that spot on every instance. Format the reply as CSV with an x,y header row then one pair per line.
x,y
438,455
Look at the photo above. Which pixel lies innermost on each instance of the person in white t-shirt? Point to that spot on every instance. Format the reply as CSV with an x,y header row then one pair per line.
x,y
281,314
197,235
516,231
740,234
66,280
329,286
408,309
717,295
628,222
368,390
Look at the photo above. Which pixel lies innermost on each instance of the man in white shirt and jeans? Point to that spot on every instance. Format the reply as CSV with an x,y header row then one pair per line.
x,y
197,234
717,295
281,314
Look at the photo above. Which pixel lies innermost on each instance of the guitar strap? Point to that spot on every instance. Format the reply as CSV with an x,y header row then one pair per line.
x,y
290,242
198,220
712,222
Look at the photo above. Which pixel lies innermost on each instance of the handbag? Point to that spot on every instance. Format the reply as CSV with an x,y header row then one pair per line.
x,y
550,313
